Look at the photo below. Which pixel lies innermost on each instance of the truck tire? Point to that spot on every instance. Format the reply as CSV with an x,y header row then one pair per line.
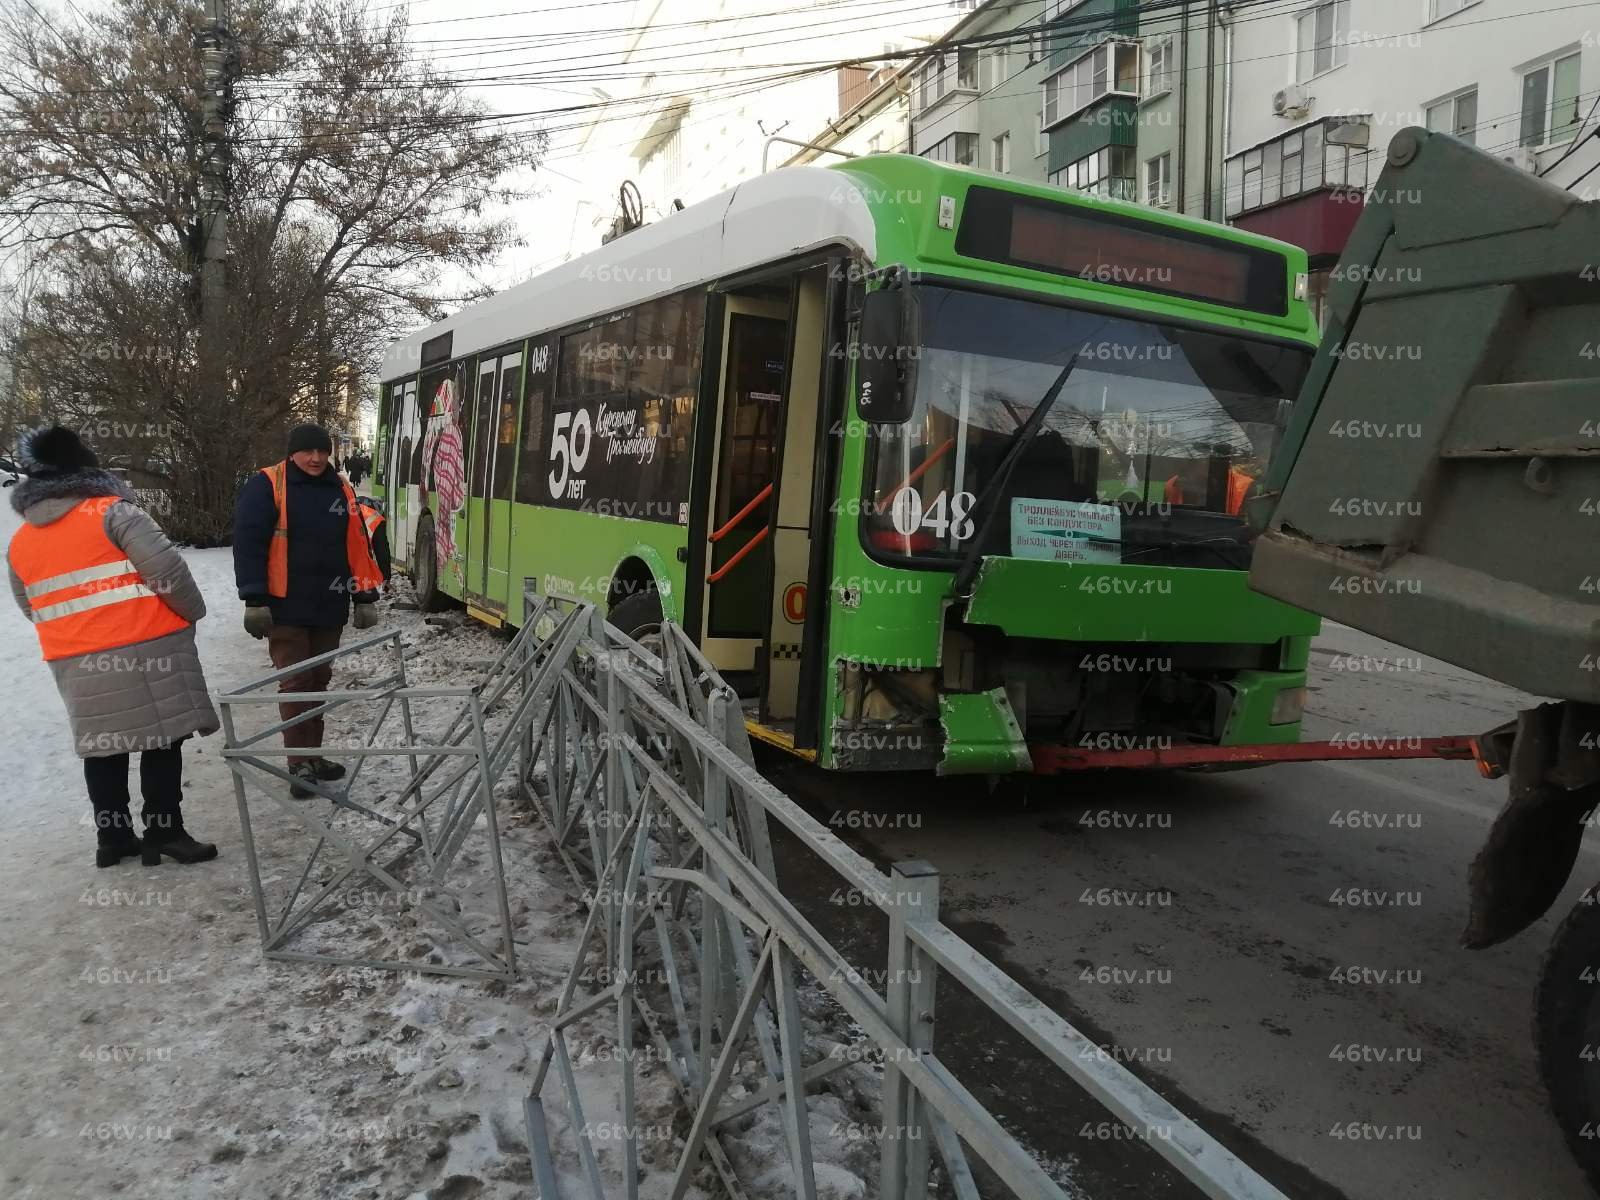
x,y
1567,1030
425,569
639,616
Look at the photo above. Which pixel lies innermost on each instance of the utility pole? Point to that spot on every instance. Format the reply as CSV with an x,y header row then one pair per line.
x,y
219,60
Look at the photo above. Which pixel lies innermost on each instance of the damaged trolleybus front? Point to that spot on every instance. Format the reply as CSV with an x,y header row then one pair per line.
x,y
942,470
1062,406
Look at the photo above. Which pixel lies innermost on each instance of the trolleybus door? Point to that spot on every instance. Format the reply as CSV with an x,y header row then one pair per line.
x,y
501,477
739,562
494,452
790,509
480,424
404,434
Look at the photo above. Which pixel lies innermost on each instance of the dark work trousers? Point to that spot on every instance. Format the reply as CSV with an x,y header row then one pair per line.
x,y
160,783
289,644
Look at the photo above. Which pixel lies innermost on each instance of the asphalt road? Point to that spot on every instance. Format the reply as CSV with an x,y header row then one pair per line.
x,y
1275,950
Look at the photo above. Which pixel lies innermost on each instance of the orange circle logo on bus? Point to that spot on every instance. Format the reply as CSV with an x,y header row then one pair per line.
x,y
794,603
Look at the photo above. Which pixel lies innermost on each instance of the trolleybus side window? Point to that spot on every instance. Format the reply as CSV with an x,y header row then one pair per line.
x,y
482,410
505,432
618,438
388,398
540,369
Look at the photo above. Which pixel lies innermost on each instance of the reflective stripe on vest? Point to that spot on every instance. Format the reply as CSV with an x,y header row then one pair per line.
x,y
98,602
370,517
364,573
73,578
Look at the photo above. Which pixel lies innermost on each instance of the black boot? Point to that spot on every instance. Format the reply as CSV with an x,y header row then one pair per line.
x,y
327,770
164,834
115,839
115,844
307,773
161,780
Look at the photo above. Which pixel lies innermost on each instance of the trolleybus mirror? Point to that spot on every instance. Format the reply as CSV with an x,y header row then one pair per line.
x,y
886,356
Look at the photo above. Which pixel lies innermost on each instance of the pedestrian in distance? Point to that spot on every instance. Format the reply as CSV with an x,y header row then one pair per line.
x,y
115,607
301,556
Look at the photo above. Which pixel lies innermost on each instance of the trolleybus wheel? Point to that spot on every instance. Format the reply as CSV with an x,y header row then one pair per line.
x,y
1567,1029
425,569
639,616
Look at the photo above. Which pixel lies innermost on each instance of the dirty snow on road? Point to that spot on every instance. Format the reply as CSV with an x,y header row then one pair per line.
x,y
150,1050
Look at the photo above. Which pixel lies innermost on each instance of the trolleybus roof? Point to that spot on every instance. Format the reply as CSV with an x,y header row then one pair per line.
x,y
765,219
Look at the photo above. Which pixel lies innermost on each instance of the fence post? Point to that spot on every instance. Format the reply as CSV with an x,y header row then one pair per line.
x,y
908,991
615,804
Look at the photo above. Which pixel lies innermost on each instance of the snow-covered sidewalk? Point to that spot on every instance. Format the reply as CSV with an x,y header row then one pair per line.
x,y
150,1051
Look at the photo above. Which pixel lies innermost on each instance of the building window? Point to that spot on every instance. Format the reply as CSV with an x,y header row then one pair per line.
x,y
1162,67
1043,146
1158,181
1000,153
944,73
967,69
1109,171
929,81
1550,102
875,144
1323,37
1458,116
958,148
1291,165
1110,68
1438,10
999,67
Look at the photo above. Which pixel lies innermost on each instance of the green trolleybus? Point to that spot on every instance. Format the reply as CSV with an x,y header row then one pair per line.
x,y
942,470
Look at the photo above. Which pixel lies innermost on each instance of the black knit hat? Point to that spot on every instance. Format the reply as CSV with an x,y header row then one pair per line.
x,y
310,437
56,450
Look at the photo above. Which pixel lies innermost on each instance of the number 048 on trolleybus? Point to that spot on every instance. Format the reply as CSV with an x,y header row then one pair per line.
x,y
942,470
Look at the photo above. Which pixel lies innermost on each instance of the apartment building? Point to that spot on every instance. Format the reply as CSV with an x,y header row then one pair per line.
x,y
978,103
1182,101
1317,94
1097,95
1089,96
874,117
708,91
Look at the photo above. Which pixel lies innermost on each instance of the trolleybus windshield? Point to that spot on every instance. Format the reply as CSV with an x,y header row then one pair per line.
x,y
1145,457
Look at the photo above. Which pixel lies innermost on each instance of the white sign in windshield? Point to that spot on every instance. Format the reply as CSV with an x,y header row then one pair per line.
x,y
1066,531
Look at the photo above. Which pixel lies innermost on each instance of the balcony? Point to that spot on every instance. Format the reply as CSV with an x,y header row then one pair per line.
x,y
1326,155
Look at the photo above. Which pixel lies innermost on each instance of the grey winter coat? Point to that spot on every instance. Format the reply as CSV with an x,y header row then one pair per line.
x,y
139,697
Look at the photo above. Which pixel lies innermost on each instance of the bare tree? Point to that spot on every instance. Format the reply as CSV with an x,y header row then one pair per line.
x,y
361,179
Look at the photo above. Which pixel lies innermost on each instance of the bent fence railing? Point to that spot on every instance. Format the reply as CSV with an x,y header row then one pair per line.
x,y
454,746
637,761
641,770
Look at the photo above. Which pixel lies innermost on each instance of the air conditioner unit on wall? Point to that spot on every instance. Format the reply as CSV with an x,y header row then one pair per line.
x,y
1291,102
1523,158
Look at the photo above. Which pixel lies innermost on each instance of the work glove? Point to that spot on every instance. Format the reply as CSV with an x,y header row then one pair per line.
x,y
366,616
257,620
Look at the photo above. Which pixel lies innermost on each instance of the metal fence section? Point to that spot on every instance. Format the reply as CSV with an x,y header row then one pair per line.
x,y
641,770
456,743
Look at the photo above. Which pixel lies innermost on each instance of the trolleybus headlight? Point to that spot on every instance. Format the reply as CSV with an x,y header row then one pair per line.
x,y
1288,706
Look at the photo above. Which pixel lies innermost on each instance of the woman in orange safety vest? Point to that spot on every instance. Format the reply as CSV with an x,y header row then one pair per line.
x,y
114,607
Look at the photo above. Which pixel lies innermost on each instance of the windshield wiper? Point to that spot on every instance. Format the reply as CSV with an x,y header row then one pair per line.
x,y
966,573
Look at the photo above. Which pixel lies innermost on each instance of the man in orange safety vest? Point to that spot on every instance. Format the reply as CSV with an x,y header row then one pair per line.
x,y
302,554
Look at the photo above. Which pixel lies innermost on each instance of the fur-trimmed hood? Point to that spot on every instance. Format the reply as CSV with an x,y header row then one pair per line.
x,y
42,499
